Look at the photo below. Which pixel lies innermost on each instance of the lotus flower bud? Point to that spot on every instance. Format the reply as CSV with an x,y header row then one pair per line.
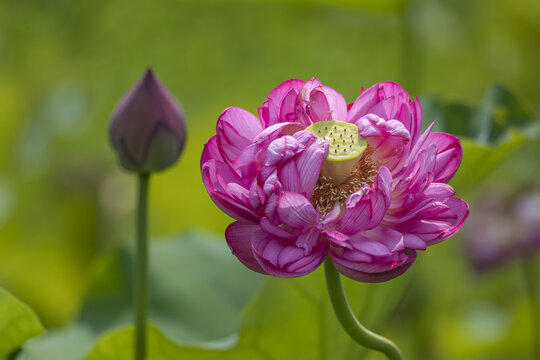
x,y
147,128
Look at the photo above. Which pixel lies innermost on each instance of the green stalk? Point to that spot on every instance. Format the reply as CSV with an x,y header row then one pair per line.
x,y
349,322
141,275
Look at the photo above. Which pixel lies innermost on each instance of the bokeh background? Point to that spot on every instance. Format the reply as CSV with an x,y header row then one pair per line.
x,y
66,208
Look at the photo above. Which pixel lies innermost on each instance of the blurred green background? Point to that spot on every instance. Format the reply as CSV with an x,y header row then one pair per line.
x,y
65,206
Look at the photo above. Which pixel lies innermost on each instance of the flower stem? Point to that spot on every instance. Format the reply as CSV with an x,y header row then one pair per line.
x,y
349,322
141,275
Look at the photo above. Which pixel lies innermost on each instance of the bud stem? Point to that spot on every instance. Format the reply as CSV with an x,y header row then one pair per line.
x,y
349,322
141,275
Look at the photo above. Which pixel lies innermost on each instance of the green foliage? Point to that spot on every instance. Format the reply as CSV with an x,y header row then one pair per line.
x,y
488,133
18,323
197,291
500,112
289,319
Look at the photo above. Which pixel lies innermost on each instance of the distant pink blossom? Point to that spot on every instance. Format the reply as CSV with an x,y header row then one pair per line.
x,y
296,202
504,228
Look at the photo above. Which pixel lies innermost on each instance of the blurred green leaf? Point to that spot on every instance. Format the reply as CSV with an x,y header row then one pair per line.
x,y
487,331
197,292
488,134
479,160
500,113
289,319
18,323
69,343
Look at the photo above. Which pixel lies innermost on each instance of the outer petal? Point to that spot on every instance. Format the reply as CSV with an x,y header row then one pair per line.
x,y
373,256
283,258
236,128
366,208
238,235
271,110
226,189
211,151
380,270
433,198
434,225
449,154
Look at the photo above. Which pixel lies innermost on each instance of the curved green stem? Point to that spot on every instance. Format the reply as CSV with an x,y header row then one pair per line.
x,y
349,322
141,274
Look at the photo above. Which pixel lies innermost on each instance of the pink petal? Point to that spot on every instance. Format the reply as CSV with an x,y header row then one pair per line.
x,y
211,151
251,159
414,242
309,164
337,239
274,131
389,101
387,241
336,102
327,104
256,195
366,208
236,128
296,211
281,258
308,88
319,110
461,210
238,236
361,106
416,119
273,229
449,154
282,149
413,180
439,191
389,140
379,270
225,189
270,111
436,226
300,174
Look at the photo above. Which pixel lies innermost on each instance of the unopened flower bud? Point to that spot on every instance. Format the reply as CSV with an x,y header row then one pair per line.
x,y
147,128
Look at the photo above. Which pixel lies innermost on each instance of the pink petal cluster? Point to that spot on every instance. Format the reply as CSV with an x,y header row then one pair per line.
x,y
263,171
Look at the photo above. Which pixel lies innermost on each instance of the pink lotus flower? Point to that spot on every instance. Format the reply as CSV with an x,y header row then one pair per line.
x,y
313,177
